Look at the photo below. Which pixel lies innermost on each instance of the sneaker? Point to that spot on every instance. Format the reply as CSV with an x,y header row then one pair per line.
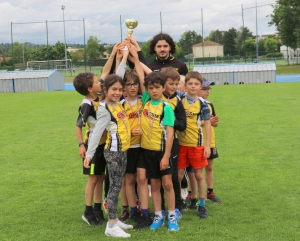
x,y
123,225
99,216
172,223
90,219
157,222
212,197
178,214
105,206
188,199
183,205
193,205
135,217
202,212
124,215
184,193
143,222
116,231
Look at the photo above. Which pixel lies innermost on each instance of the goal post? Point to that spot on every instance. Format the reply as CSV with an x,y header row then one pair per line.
x,y
50,64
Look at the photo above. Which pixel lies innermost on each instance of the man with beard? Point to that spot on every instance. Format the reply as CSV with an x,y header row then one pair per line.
x,y
163,46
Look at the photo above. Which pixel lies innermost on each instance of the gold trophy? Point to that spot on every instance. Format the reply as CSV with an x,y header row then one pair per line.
x,y
131,24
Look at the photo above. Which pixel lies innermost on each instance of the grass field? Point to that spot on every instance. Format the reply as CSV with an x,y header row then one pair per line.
x,y
256,177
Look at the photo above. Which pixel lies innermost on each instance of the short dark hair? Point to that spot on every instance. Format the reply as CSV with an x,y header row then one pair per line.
x,y
131,74
170,72
83,81
193,74
111,80
155,78
162,36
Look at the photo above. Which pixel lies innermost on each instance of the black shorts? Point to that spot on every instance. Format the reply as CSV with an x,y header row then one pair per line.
x,y
213,153
132,159
152,162
141,159
99,161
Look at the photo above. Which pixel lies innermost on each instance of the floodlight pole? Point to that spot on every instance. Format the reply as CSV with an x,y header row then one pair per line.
x,y
256,35
12,46
23,51
202,38
63,8
160,22
121,27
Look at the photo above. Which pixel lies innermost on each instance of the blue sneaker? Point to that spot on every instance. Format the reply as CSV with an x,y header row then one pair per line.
x,y
157,222
172,223
178,214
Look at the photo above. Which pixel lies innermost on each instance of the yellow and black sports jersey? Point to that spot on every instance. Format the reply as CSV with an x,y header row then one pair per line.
x,y
118,129
133,113
153,122
175,102
213,138
195,112
87,117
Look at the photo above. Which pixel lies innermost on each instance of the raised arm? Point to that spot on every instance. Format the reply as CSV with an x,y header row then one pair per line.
x,y
107,67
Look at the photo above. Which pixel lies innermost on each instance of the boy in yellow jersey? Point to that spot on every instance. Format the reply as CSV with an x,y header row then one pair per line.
x,y
133,107
193,151
214,120
170,96
157,123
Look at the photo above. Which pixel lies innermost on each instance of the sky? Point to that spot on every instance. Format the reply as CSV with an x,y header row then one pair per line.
x,y
105,19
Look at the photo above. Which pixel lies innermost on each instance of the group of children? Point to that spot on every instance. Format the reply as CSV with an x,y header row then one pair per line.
x,y
143,128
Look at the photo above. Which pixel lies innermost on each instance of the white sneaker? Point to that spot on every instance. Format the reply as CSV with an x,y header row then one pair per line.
x,y
184,193
123,225
116,231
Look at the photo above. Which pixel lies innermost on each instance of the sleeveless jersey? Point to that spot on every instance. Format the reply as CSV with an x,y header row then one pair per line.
x,y
90,120
195,112
133,113
118,129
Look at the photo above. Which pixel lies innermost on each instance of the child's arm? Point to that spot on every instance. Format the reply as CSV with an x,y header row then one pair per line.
x,y
168,121
122,66
165,161
180,117
109,62
103,118
207,127
82,149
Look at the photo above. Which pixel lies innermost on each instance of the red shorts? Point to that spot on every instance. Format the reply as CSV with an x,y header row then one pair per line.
x,y
192,156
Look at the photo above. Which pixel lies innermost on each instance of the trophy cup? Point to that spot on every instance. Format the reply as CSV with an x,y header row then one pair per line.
x,y
130,24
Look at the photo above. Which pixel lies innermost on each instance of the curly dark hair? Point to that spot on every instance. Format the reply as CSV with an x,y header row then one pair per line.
x,y
82,82
155,78
162,36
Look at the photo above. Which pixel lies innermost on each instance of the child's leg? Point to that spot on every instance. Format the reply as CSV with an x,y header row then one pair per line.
x,y
155,191
143,190
199,175
169,191
125,211
99,189
210,174
192,184
180,175
89,189
116,163
130,192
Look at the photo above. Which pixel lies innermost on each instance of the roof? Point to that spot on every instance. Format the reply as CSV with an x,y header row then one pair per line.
x,y
203,69
27,74
207,43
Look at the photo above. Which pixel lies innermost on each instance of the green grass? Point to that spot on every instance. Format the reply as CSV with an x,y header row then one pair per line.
x,y
256,176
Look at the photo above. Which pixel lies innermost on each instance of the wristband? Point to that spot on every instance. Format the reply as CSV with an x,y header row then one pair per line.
x,y
81,143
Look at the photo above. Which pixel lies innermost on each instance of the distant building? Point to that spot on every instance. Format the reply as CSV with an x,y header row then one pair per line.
x,y
210,49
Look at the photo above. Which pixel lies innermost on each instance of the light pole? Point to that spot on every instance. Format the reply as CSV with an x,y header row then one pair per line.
x,y
63,8
23,52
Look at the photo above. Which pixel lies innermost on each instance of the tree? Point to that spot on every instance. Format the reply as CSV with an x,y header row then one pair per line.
x,y
249,45
145,48
229,43
93,48
286,18
241,35
215,36
187,40
261,46
270,44
77,56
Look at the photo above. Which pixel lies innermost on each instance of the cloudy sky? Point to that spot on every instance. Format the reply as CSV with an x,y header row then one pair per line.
x,y
102,18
